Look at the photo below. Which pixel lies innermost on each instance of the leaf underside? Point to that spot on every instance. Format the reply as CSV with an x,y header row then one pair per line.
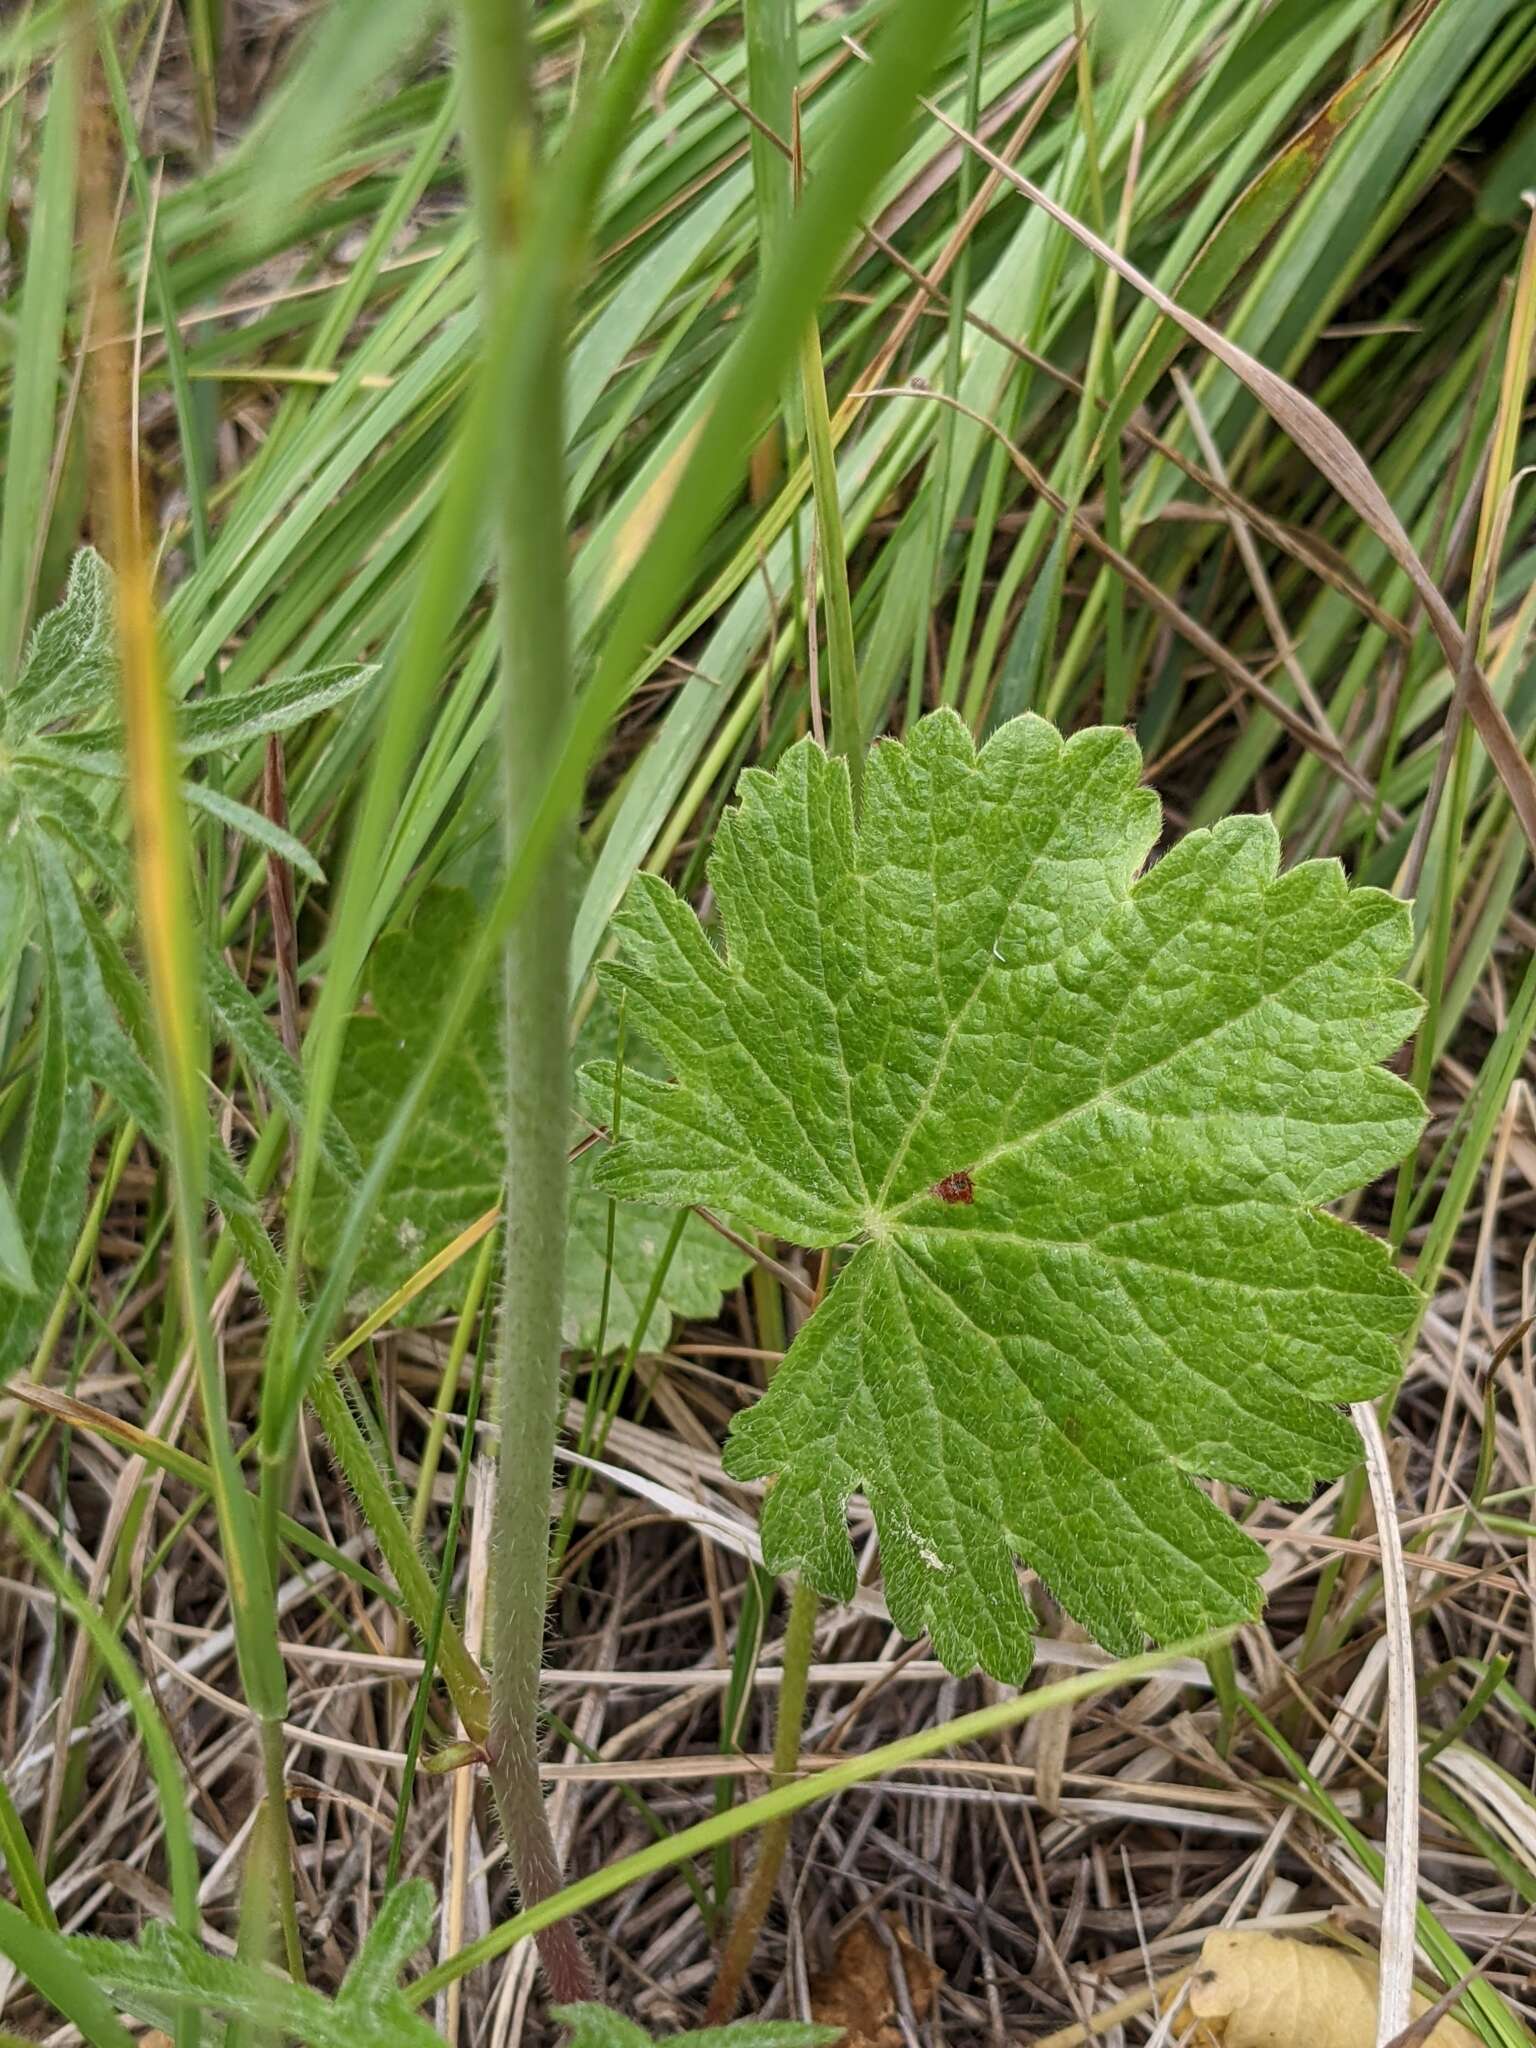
x,y
450,1171
1076,1118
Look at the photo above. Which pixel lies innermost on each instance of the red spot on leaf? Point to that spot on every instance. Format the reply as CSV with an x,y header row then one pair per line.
x,y
955,1187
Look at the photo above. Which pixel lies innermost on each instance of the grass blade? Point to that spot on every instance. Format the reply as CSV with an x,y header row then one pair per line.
x,y
39,338
808,1791
1337,457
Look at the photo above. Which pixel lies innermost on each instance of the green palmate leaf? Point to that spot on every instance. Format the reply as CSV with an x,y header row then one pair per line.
x,y
599,2026
1075,1125
451,1169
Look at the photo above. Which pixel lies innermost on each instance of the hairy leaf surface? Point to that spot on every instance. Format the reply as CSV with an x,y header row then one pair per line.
x,y
450,1171
71,656
167,1973
599,2026
1076,1118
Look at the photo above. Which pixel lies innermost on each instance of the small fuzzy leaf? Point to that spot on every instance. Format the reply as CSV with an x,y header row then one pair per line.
x,y
400,1927
450,1172
70,660
242,1023
215,725
599,2026
1076,1118
222,724
254,826
168,1973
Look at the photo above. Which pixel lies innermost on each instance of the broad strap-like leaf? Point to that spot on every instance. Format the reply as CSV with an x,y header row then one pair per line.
x,y
1076,1121
450,1170
16,1275
48,1961
105,1013
42,1204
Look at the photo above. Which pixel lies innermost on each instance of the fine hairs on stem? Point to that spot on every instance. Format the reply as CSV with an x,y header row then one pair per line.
x,y
535,694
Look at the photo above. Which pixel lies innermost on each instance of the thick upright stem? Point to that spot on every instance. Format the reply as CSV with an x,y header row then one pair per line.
x,y
530,1339
535,690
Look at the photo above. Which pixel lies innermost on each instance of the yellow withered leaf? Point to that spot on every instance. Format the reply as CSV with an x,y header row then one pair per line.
x,y
1271,1991
635,535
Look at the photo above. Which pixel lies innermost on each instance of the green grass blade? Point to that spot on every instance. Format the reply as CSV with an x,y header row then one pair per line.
x,y
350,47
1254,215
26,1879
789,1799
39,339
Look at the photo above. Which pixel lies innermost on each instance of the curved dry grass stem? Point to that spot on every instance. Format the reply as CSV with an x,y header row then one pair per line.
x,y
1401,1850
1335,456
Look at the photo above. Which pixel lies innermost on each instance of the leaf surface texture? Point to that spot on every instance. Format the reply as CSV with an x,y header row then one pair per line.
x,y
1077,1117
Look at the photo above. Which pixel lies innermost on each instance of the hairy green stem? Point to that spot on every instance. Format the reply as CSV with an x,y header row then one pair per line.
x,y
535,698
